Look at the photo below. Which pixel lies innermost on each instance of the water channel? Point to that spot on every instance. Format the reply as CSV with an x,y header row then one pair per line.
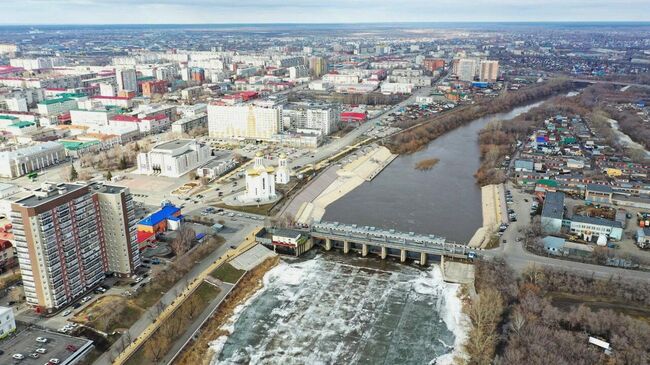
x,y
444,201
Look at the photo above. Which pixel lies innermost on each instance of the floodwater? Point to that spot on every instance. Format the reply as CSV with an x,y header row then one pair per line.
x,y
342,310
445,200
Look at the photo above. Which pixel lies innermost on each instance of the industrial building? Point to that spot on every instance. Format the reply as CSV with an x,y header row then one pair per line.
x,y
553,212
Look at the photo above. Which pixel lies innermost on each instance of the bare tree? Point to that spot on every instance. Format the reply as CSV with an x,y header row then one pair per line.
x,y
183,241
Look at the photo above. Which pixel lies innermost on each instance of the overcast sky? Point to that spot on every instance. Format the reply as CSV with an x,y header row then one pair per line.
x,y
315,11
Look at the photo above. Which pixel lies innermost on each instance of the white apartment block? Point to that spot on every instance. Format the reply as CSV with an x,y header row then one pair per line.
x,y
25,160
174,158
57,106
340,79
243,121
467,69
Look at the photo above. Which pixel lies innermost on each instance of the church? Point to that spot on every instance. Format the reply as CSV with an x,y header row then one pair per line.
x,y
260,182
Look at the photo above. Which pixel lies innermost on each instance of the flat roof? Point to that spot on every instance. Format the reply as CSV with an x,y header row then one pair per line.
x,y
162,214
553,205
597,221
172,145
599,188
33,200
24,343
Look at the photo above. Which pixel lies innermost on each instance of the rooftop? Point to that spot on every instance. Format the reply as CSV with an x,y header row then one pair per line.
x,y
48,192
172,145
597,221
159,216
553,205
599,188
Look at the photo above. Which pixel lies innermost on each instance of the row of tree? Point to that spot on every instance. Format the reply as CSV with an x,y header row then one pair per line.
x,y
414,139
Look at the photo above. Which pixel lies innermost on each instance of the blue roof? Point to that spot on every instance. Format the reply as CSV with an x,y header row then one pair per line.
x,y
166,212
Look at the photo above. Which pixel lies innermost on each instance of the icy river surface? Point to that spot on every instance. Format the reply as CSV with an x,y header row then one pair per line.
x,y
344,310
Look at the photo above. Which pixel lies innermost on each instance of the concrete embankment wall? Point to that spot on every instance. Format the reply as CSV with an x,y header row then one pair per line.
x,y
494,213
350,176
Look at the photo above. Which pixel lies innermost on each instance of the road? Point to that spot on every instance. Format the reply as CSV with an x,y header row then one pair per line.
x,y
232,236
519,259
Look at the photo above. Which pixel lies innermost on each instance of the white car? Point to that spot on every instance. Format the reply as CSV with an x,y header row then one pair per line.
x,y
41,350
67,312
41,339
85,299
54,360
17,356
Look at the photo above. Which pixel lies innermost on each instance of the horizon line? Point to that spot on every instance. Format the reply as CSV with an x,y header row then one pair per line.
x,y
352,23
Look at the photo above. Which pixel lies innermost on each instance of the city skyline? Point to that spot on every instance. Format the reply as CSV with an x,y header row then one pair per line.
x,y
37,12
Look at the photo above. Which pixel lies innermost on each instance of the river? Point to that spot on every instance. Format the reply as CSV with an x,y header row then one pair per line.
x,y
335,309
444,201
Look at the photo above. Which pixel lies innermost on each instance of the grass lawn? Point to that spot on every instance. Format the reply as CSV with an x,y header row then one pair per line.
x,y
254,209
227,273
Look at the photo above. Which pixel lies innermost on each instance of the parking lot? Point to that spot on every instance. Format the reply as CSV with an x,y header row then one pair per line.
x,y
55,346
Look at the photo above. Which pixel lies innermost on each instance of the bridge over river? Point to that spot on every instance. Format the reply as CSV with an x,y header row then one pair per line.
x,y
383,242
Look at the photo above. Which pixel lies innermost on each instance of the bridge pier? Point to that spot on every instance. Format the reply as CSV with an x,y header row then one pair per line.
x,y
402,255
346,246
328,244
364,250
384,252
423,258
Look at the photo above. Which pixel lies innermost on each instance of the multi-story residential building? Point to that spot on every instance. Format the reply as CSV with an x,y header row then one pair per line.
x,y
117,212
149,88
243,121
25,160
489,71
318,66
186,124
324,118
467,68
56,106
174,158
60,233
126,79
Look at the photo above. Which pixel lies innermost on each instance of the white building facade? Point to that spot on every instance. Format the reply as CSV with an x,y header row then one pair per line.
x,y
174,158
243,121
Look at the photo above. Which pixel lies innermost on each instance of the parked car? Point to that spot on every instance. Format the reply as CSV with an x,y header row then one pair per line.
x,y
17,356
41,350
67,312
41,339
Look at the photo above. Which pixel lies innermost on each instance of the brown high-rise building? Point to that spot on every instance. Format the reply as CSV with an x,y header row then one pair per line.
x,y
68,236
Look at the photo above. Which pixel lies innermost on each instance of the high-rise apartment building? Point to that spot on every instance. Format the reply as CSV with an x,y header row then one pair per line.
x,y
68,236
489,71
243,121
318,66
467,68
126,79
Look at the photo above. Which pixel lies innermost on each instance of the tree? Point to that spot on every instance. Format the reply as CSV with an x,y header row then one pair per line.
x,y
73,173
183,241
124,164
109,176
156,347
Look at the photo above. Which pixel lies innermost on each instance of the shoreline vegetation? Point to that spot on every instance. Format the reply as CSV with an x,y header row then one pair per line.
x,y
516,319
426,164
199,351
498,139
416,137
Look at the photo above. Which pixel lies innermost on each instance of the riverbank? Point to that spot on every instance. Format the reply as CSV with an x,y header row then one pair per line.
x,y
364,168
493,207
